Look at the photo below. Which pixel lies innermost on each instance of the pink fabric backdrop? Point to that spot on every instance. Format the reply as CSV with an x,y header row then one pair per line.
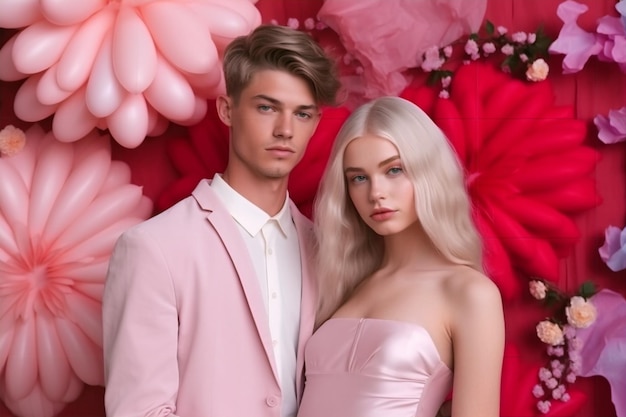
x,y
595,90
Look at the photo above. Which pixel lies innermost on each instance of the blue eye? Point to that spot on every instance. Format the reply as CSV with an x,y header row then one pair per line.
x,y
264,108
358,178
395,170
304,115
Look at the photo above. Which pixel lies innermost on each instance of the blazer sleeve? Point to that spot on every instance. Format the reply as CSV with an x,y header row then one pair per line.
x,y
140,330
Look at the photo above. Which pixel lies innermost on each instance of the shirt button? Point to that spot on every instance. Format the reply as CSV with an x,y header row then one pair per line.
x,y
271,401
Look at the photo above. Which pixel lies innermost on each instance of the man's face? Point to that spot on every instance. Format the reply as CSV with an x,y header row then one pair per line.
x,y
271,125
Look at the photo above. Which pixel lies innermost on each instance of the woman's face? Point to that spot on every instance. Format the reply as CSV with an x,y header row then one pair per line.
x,y
378,186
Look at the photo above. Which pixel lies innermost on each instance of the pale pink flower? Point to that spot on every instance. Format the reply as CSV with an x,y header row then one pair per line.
x,y
523,57
445,81
293,23
537,289
309,23
532,37
519,37
538,70
544,374
444,94
543,406
612,129
471,47
489,48
447,51
550,333
12,140
570,377
538,391
551,383
507,49
565,397
501,30
580,312
432,59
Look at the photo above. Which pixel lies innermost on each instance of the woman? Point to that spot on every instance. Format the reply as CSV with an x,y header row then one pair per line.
x,y
406,313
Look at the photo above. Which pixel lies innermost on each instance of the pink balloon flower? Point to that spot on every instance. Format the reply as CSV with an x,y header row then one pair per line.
x,y
62,207
129,66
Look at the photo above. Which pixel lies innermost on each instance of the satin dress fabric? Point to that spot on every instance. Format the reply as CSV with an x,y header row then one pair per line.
x,y
362,367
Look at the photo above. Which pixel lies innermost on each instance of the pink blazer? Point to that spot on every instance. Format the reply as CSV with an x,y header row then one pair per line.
x,y
185,328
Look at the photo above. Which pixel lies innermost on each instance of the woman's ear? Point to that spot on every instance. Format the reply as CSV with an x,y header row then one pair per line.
x,y
223,105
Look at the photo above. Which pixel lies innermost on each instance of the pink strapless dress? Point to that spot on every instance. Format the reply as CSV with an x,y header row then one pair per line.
x,y
373,368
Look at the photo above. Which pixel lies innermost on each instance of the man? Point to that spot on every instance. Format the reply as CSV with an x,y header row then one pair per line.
x,y
208,305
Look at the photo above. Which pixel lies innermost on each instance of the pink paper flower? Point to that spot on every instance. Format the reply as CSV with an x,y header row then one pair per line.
x,y
575,43
62,207
613,251
612,129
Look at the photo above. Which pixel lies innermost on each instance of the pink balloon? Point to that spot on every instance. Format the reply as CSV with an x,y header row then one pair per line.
x,y
171,22
40,46
13,196
157,124
79,189
19,13
72,120
170,94
84,356
6,336
54,374
87,315
129,123
200,110
104,92
227,22
69,12
53,167
207,85
48,91
8,72
77,60
119,175
102,212
26,105
21,369
7,246
134,53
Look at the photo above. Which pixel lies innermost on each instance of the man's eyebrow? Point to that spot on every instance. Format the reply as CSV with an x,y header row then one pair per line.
x,y
381,164
279,103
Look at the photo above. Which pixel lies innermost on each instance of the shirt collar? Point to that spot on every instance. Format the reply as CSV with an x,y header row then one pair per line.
x,y
248,215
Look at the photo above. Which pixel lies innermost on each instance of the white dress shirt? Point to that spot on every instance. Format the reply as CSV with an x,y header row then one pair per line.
x,y
275,252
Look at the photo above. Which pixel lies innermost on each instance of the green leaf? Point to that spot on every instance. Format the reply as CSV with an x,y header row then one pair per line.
x,y
587,289
489,28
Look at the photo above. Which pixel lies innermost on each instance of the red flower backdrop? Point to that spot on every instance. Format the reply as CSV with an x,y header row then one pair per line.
x,y
527,168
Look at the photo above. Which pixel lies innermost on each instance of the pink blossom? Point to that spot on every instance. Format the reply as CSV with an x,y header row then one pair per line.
x,y
320,25
575,43
570,377
538,70
489,48
565,397
544,374
532,37
580,312
445,81
471,47
444,94
549,333
507,49
447,51
569,331
293,23
537,289
523,57
12,140
432,59
538,391
309,24
519,37
551,383
543,406
613,251
612,129
501,30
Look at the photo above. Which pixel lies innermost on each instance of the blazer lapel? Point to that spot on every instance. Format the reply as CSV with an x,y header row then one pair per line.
x,y
308,303
236,247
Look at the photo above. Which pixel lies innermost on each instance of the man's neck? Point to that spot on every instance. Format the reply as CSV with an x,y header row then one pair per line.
x,y
269,195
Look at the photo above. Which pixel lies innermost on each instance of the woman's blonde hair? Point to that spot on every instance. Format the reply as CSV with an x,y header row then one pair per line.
x,y
348,250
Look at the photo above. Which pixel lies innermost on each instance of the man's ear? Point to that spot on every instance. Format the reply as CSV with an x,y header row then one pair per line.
x,y
224,105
